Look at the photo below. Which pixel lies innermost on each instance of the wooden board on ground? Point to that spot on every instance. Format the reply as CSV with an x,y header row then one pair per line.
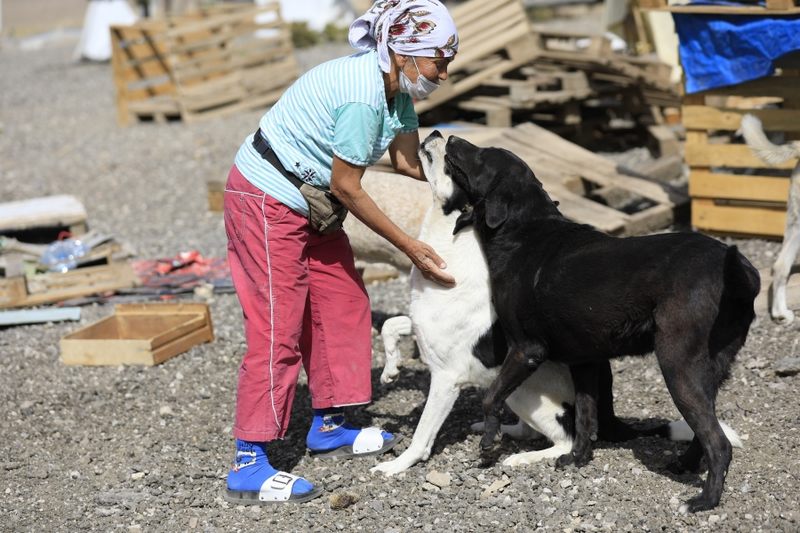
x,y
139,334
46,212
39,289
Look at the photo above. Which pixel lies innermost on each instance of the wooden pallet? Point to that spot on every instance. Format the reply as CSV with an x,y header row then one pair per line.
x,y
772,7
567,70
217,61
139,334
494,38
40,289
590,188
732,190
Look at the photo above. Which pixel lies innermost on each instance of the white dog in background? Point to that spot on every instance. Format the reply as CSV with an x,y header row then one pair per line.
x,y
773,154
453,330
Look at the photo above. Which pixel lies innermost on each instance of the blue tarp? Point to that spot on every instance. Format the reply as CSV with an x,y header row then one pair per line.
x,y
720,50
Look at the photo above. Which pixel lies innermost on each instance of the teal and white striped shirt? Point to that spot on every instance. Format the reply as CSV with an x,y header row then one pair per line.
x,y
337,108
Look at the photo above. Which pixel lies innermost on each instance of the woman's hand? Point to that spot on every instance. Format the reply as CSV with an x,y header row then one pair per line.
x,y
428,262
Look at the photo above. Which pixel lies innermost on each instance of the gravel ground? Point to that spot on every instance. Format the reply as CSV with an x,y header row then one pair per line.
x,y
147,449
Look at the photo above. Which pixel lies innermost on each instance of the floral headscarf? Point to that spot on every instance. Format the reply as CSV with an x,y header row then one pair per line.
x,y
409,27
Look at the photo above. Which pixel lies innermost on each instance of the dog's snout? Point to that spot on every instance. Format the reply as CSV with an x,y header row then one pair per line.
x,y
436,134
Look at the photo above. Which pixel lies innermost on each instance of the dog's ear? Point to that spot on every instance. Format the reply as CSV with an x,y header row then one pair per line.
x,y
464,219
496,211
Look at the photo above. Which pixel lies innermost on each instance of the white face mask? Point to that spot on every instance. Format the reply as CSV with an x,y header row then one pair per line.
x,y
420,90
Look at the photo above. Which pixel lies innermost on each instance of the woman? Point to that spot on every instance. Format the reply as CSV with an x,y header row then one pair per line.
x,y
300,294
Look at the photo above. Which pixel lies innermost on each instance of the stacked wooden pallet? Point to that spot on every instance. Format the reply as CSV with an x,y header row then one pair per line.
x,y
732,190
520,72
216,61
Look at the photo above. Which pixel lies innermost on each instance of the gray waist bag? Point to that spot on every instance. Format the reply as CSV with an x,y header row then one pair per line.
x,y
325,212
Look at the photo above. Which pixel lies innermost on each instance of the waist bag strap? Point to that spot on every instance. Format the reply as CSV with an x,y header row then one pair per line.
x,y
268,154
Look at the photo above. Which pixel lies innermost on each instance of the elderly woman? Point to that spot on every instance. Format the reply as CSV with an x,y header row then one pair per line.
x,y
301,297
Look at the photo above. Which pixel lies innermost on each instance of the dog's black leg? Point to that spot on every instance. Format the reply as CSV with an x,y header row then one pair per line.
x,y
610,428
688,461
585,379
520,363
691,382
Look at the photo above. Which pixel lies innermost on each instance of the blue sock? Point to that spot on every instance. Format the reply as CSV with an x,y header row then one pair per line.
x,y
251,468
329,431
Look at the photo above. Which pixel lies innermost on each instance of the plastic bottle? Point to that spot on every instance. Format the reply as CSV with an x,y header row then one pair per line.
x,y
62,256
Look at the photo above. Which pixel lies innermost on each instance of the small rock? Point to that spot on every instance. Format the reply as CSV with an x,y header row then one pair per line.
x,y
342,500
565,483
788,366
137,475
497,486
165,410
713,519
430,487
193,522
439,479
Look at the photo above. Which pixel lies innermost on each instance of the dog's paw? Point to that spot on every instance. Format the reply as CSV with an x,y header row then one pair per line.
x,y
783,317
696,504
389,375
565,460
389,468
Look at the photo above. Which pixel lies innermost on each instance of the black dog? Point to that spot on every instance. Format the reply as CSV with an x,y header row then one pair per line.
x,y
566,292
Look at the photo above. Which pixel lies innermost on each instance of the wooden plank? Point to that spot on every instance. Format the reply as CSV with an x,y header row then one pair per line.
x,y
216,195
51,288
737,219
727,10
777,86
706,184
586,163
39,316
705,117
585,211
726,155
12,290
46,211
183,344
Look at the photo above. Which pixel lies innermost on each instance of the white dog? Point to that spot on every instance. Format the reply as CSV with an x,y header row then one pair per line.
x,y
453,328
773,154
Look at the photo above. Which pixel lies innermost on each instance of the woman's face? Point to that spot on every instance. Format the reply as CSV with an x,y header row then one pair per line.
x,y
433,68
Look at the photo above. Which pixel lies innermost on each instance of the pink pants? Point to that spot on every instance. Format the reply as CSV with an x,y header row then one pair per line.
x,y
302,300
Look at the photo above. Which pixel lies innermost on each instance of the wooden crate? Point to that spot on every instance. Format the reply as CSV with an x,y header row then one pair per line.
x,y
217,61
139,334
40,289
732,190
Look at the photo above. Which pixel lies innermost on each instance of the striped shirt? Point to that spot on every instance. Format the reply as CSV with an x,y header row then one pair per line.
x,y
337,108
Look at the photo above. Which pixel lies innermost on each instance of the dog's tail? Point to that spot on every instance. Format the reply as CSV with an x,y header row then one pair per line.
x,y
680,431
391,331
770,153
742,279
